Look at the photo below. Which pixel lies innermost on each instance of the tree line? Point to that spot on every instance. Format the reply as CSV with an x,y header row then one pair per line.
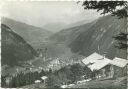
x,y
21,79
68,75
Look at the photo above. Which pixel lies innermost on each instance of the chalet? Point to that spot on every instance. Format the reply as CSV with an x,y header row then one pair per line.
x,y
119,66
98,64
103,67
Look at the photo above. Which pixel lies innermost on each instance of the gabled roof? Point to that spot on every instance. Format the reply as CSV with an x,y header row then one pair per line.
x,y
44,77
119,62
92,58
99,64
96,61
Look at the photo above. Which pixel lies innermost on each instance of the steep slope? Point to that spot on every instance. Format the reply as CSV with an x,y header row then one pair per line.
x,y
79,23
33,35
100,34
14,48
66,36
86,38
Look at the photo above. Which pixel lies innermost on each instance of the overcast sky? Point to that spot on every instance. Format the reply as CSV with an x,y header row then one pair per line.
x,y
42,13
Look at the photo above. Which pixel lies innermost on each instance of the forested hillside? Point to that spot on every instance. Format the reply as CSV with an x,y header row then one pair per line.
x,y
86,38
14,48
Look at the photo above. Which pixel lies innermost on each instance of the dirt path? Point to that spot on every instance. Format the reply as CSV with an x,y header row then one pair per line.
x,y
118,83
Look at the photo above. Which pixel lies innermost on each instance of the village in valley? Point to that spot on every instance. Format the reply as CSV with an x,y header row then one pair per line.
x,y
75,48
102,70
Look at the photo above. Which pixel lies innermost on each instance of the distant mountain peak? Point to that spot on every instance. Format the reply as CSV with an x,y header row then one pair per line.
x,y
30,33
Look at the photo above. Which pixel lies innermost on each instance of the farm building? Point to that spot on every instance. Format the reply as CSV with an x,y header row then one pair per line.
x,y
119,67
104,68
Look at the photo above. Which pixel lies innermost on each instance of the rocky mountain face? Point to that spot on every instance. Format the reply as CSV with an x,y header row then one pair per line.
x,y
96,36
33,35
14,48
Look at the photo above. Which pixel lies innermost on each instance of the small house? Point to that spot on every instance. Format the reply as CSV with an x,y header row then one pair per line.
x,y
44,78
98,65
119,67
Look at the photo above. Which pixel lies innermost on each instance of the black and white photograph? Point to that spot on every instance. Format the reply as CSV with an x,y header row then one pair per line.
x,y
64,44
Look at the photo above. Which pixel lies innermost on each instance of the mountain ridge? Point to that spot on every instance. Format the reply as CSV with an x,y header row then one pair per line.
x,y
86,38
30,33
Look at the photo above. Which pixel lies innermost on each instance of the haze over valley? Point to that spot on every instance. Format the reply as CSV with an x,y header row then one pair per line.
x,y
51,39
